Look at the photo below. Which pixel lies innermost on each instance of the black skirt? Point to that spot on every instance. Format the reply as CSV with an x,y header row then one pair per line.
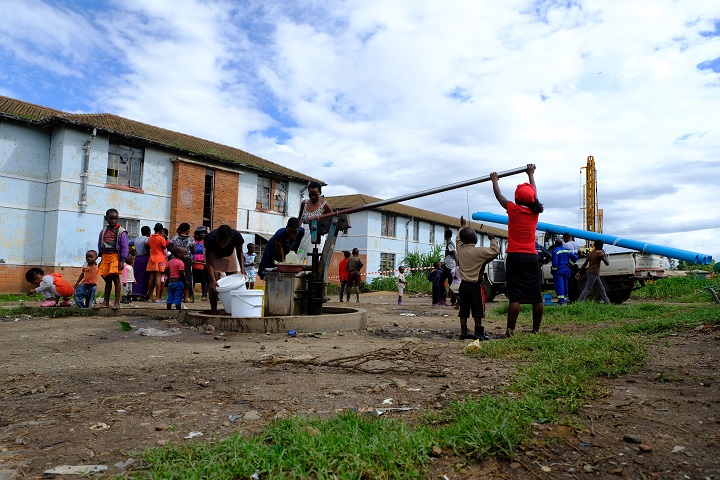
x,y
524,278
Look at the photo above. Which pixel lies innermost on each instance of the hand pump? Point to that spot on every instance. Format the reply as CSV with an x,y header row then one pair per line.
x,y
333,223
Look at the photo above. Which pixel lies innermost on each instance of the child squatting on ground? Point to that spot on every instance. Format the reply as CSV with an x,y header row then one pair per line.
x,y
86,285
52,287
113,248
175,272
401,282
471,293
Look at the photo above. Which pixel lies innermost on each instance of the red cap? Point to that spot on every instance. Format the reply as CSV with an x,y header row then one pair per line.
x,y
525,193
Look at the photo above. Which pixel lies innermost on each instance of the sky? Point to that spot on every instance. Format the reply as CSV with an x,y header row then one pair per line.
x,y
387,98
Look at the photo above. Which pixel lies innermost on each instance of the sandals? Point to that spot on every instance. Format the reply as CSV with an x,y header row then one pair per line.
x,y
48,303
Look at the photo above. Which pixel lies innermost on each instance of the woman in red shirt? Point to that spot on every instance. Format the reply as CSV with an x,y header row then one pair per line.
x,y
524,277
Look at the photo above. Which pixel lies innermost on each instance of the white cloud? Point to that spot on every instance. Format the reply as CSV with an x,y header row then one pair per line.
x,y
391,98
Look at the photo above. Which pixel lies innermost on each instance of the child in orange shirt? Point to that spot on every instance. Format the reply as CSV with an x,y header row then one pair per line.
x,y
156,265
86,285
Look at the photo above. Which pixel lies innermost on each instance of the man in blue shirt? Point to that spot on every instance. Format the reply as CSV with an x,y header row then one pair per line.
x,y
284,240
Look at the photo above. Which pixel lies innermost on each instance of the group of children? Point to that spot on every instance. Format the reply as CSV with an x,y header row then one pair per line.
x,y
170,265
439,289
466,291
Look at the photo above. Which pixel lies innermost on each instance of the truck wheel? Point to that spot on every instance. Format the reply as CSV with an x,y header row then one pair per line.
x,y
489,290
620,296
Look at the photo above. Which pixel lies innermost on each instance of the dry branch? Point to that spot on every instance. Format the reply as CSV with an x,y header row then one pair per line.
x,y
410,358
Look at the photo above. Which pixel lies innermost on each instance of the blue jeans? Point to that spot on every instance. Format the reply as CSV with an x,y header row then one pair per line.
x,y
84,292
593,279
176,292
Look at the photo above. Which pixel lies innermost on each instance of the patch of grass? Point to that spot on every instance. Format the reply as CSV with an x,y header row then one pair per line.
x,y
590,313
347,446
52,312
679,318
16,297
124,327
13,312
490,425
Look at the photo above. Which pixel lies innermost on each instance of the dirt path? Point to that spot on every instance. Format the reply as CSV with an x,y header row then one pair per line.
x,y
78,391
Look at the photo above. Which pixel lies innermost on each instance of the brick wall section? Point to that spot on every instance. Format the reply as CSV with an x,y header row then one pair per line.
x,y
12,277
188,195
334,269
225,199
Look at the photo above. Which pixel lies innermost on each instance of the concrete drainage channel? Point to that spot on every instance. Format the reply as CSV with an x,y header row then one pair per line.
x,y
333,319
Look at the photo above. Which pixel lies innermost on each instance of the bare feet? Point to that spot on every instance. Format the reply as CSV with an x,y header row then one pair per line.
x,y
102,305
116,306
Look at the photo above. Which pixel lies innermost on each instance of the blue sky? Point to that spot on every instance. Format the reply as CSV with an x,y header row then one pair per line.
x,y
388,98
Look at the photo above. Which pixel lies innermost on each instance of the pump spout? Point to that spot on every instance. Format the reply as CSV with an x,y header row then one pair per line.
x,y
684,255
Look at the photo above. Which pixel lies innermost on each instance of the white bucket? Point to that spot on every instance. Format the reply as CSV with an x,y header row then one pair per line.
x,y
229,285
247,303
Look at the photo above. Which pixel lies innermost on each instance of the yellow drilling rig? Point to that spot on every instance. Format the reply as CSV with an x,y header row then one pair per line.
x,y
593,218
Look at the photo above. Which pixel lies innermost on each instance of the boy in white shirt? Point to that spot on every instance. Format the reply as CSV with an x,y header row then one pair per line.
x,y
401,283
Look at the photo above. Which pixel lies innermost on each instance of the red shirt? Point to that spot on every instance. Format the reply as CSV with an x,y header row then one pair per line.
x,y
522,223
343,270
176,266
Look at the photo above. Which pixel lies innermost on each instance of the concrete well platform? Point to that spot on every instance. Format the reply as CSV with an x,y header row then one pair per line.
x,y
333,319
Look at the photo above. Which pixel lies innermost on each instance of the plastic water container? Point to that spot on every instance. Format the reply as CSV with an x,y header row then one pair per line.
x,y
247,303
548,298
229,285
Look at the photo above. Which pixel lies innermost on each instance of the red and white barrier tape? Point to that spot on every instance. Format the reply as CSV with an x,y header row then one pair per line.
x,y
386,272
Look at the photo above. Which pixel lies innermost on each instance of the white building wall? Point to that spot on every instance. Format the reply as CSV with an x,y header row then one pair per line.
x,y
357,235
40,187
24,156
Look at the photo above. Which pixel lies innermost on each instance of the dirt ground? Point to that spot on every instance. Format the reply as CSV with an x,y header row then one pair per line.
x,y
77,391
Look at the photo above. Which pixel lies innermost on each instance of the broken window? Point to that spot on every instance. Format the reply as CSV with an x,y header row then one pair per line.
x,y
271,195
125,165
388,225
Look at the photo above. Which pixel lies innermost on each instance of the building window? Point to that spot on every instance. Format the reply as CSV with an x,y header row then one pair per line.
x,y
388,224
432,234
416,230
125,165
208,197
387,262
271,195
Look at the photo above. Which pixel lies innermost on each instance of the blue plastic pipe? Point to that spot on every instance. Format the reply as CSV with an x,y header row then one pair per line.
x,y
684,255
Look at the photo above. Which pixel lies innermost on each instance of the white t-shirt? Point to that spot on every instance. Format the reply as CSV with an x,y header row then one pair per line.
x,y
572,246
449,259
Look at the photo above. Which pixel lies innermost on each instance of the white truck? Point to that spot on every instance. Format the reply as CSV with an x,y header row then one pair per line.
x,y
627,271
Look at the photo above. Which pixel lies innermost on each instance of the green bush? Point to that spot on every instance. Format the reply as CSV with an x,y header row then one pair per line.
x,y
383,284
423,260
688,287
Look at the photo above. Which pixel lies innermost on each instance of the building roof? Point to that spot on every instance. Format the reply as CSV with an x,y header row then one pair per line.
x,y
119,126
343,202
